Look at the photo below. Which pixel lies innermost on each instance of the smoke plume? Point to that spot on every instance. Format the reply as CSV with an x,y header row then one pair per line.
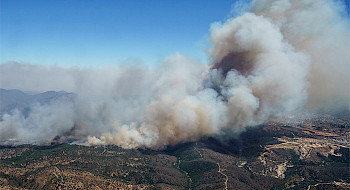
x,y
273,59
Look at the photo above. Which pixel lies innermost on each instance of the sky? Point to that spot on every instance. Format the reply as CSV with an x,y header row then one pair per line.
x,y
106,32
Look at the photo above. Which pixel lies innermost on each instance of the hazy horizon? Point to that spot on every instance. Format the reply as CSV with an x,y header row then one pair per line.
x,y
175,78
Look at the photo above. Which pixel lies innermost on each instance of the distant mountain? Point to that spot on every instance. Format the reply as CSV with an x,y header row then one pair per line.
x,y
16,99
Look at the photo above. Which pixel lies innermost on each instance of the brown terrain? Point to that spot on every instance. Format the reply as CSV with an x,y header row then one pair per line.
x,y
311,152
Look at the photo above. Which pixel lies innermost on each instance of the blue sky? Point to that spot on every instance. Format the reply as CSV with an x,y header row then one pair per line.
x,y
104,32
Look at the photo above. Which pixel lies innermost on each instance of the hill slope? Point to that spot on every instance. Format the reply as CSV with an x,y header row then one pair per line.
x,y
311,154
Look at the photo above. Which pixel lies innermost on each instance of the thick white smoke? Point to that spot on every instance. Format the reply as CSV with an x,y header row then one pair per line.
x,y
321,29
265,62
